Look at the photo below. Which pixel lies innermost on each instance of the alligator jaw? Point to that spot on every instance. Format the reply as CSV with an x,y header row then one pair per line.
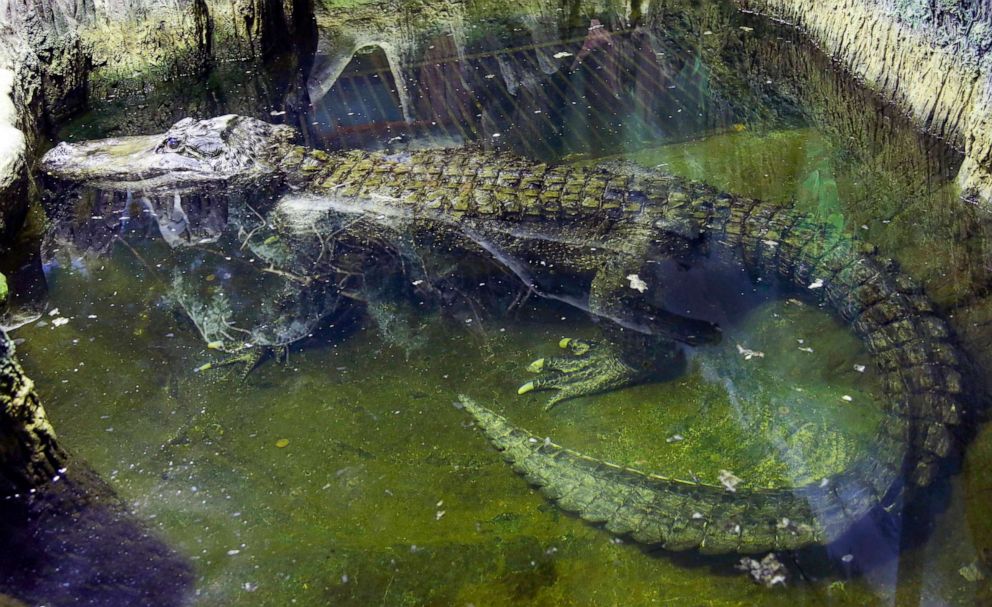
x,y
126,163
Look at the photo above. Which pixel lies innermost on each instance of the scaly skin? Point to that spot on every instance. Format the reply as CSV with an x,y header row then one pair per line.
x,y
608,223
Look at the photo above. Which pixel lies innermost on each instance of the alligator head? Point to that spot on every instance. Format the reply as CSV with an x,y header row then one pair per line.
x,y
192,154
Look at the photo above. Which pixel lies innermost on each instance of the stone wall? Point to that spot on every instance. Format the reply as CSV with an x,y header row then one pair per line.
x,y
931,59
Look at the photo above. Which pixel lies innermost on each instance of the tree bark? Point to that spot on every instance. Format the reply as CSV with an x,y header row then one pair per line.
x,y
30,456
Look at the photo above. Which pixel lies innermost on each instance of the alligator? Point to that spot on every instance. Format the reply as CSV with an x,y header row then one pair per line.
x,y
603,224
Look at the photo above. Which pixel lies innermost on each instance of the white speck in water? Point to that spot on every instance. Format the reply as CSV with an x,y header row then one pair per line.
x,y
729,480
636,283
816,284
859,368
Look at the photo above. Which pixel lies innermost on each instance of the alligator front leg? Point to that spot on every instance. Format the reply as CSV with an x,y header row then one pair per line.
x,y
249,359
594,367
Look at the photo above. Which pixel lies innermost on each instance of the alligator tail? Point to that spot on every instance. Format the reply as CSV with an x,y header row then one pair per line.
x,y
678,514
910,345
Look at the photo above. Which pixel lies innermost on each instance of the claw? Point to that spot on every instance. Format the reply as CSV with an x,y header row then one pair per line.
x,y
587,369
249,361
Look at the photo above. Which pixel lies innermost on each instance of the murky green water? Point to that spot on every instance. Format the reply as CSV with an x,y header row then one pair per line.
x,y
346,476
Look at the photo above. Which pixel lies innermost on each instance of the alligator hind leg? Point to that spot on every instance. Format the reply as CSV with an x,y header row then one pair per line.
x,y
590,368
249,360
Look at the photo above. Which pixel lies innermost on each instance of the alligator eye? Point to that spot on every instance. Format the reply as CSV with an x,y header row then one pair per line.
x,y
172,143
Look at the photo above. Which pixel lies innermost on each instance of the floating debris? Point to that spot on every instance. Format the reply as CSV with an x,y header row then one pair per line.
x,y
748,353
53,312
806,349
58,322
816,284
847,558
675,438
277,113
282,443
562,55
847,398
768,571
439,515
636,283
746,28
729,480
860,368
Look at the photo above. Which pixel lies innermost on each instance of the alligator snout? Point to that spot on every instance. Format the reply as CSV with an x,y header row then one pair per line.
x,y
55,157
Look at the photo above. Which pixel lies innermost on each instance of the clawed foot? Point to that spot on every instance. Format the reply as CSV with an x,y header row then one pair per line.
x,y
591,367
249,359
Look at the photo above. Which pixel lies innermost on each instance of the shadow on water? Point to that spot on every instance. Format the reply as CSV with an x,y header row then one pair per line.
x,y
75,542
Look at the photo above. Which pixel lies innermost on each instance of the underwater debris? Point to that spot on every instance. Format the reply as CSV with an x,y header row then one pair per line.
x,y
748,353
768,571
636,283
